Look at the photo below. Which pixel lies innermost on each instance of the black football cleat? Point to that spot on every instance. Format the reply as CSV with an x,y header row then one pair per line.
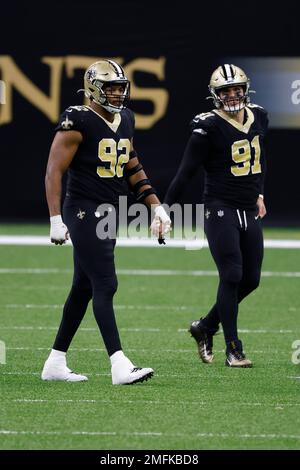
x,y
204,339
235,356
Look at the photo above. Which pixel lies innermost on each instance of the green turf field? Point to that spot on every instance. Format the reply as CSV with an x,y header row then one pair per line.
x,y
187,405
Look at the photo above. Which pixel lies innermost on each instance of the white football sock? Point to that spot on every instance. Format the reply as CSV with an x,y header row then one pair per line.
x,y
54,354
117,356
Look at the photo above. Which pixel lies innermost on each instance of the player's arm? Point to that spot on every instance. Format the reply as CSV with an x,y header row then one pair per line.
x,y
262,211
260,200
194,156
63,149
144,192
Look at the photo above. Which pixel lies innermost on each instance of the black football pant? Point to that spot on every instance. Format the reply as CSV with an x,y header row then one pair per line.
x,y
94,277
236,243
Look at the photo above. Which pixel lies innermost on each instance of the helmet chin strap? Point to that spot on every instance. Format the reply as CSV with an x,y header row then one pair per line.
x,y
111,109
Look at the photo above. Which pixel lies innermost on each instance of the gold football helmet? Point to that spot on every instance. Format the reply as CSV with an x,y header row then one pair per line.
x,y
229,75
101,75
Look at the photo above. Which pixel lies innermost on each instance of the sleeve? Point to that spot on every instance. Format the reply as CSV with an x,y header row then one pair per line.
x,y
131,117
131,120
263,177
265,121
203,122
70,120
195,154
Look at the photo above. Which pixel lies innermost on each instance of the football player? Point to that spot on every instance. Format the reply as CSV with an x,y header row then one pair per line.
x,y
229,143
95,144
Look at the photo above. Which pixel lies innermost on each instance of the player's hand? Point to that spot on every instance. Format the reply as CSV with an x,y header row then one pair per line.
x,y
58,231
261,207
161,224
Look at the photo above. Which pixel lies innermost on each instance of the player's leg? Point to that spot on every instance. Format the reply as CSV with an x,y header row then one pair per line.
x,y
55,367
74,308
251,244
101,269
224,242
97,260
252,255
223,234
252,248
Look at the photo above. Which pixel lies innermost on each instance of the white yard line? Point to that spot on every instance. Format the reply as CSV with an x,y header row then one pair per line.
x,y
54,328
136,330
145,272
34,271
149,402
116,306
266,436
41,240
146,351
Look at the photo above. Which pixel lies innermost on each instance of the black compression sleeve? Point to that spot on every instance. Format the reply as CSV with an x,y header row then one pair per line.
x,y
263,175
194,156
263,160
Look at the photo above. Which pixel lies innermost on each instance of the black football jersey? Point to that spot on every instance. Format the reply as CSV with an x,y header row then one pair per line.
x,y
235,161
96,171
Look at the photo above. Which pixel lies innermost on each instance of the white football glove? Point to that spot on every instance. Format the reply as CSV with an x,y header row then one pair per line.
x,y
161,224
58,231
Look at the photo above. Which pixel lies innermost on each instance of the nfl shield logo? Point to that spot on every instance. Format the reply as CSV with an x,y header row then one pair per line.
x,y
207,214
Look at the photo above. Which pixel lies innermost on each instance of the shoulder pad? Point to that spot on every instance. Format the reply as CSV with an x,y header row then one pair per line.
x,y
130,114
256,106
70,109
72,119
261,114
202,122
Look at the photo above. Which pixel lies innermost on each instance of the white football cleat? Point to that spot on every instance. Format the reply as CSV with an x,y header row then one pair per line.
x,y
58,370
123,372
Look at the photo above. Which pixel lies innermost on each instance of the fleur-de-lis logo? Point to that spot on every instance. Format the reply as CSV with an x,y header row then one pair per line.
x,y
67,123
220,213
80,214
91,74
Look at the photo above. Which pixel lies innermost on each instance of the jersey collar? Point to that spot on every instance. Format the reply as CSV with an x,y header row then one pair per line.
x,y
241,127
112,125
